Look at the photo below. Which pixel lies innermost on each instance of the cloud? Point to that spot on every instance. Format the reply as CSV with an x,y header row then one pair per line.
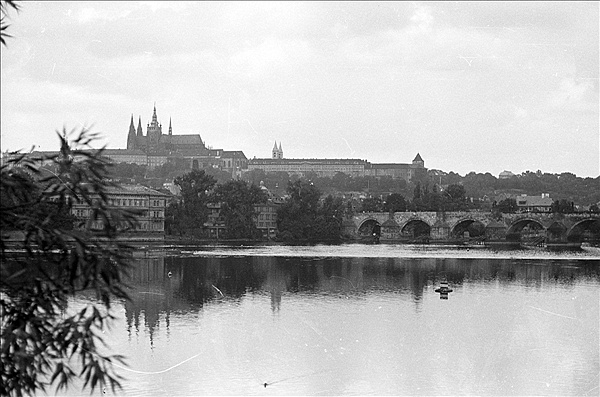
x,y
417,76
271,56
520,112
88,15
574,96
421,21
164,5
35,120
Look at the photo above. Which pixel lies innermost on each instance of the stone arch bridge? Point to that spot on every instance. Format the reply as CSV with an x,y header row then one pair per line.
x,y
479,225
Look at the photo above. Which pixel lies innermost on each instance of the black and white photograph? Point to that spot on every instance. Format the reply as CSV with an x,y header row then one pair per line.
x,y
300,198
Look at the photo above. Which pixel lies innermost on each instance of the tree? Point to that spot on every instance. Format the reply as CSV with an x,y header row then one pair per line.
x,y
237,199
171,169
328,223
128,171
563,206
372,204
395,202
432,200
507,206
301,218
53,213
417,191
192,212
455,198
456,192
39,340
4,7
218,175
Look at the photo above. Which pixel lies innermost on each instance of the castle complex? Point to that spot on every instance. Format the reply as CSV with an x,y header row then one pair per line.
x,y
329,167
155,148
157,143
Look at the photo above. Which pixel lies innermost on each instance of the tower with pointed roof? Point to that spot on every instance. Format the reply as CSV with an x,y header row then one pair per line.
x,y
154,133
418,161
277,152
131,138
140,132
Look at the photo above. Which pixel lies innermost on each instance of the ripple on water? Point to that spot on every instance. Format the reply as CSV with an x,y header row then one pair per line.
x,y
318,252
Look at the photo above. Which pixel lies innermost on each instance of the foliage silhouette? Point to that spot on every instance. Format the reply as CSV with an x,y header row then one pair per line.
x,y
44,262
237,199
191,213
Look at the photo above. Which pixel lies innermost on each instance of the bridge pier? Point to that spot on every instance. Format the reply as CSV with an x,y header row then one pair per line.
x,y
440,231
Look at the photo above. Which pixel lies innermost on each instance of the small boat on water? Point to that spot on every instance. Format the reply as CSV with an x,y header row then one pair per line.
x,y
444,289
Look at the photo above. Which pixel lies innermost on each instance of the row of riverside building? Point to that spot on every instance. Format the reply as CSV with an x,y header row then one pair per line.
x,y
152,205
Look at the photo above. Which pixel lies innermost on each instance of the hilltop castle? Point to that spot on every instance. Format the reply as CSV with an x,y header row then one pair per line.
x,y
155,142
329,167
155,149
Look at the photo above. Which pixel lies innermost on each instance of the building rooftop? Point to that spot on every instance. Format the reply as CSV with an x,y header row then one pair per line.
x,y
134,189
534,201
391,165
309,161
185,139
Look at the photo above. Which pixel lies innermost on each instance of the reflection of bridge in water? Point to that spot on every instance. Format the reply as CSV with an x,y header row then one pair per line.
x,y
476,226
169,288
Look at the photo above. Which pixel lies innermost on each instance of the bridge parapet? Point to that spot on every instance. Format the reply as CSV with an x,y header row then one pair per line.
x,y
444,225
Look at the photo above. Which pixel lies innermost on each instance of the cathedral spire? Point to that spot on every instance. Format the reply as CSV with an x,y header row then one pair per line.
x,y
170,129
154,114
139,129
131,135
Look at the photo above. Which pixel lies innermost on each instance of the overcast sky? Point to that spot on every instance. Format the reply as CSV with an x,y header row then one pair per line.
x,y
471,86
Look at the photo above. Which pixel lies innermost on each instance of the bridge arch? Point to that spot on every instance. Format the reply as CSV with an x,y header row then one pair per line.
x,y
416,228
584,229
474,227
369,227
525,228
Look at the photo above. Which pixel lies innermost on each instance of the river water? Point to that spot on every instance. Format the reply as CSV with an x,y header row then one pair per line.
x,y
359,320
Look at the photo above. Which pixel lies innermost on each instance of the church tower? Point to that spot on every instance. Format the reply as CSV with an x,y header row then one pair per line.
x,y
418,161
131,136
153,133
277,153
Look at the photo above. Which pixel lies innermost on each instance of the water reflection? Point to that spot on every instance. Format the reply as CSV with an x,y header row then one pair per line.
x,y
163,285
223,323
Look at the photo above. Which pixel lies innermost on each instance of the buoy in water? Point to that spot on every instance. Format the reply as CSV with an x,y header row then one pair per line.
x,y
443,288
